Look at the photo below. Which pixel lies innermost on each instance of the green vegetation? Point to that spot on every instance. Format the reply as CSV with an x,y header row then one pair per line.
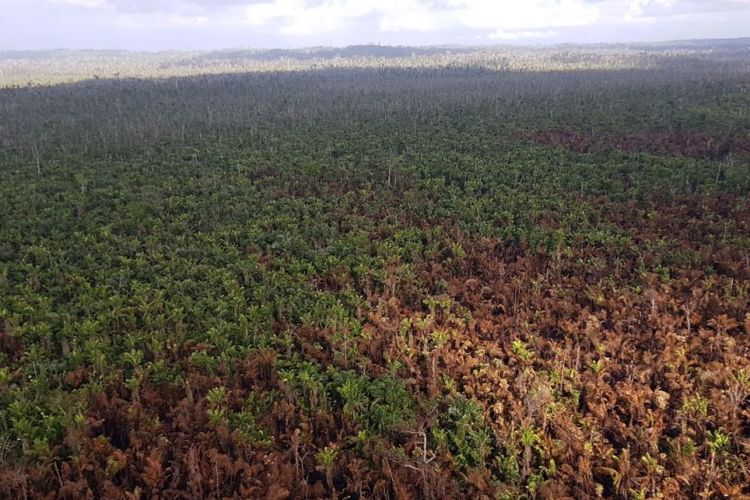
x,y
388,274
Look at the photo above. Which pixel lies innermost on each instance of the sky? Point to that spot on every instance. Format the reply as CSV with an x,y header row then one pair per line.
x,y
215,24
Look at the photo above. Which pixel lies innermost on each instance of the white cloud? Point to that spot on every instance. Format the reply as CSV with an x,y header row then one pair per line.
x,y
263,13
493,19
300,17
141,21
87,4
331,15
516,35
411,15
639,8
510,16
336,22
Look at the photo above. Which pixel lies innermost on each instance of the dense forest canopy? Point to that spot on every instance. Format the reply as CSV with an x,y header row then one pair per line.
x,y
374,271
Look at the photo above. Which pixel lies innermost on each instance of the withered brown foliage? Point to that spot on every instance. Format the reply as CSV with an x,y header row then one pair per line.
x,y
611,379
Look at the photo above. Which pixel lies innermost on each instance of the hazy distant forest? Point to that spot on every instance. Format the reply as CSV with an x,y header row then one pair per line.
x,y
376,272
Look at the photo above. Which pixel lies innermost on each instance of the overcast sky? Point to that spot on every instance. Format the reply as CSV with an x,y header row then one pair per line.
x,y
211,24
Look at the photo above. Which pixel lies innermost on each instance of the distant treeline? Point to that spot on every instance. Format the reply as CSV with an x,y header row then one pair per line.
x,y
23,68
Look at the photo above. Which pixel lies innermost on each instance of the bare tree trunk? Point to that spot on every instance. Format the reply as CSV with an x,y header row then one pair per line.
x,y
35,153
